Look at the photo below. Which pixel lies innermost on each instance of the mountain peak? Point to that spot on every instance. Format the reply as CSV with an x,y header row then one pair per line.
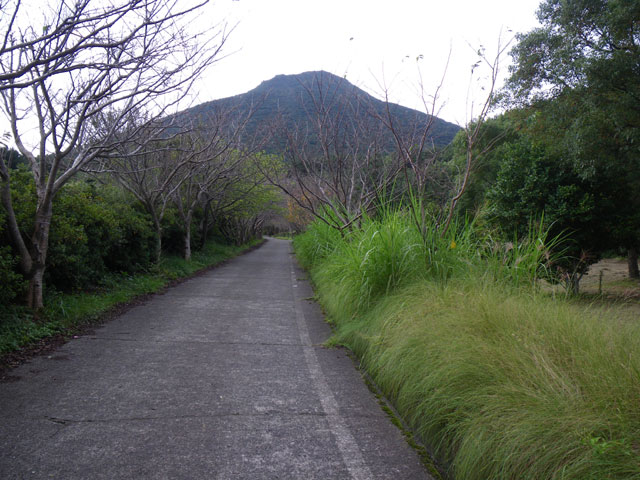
x,y
304,79
291,97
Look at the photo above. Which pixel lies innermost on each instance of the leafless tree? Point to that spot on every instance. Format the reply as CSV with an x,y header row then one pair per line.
x,y
220,198
153,175
473,129
187,166
216,169
420,156
79,78
338,161
415,146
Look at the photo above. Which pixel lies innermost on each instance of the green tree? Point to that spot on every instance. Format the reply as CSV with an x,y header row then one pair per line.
x,y
534,182
95,230
586,56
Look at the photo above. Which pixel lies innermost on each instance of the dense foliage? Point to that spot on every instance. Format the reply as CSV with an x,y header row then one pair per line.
x,y
579,73
501,380
99,230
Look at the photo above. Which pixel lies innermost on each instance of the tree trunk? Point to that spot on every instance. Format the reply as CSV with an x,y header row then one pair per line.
x,y
39,247
187,243
35,298
204,226
632,260
13,229
204,232
187,219
158,249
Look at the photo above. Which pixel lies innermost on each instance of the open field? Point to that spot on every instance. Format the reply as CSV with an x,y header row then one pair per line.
x,y
607,284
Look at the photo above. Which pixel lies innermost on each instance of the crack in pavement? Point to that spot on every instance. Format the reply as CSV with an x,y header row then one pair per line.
x,y
203,342
271,413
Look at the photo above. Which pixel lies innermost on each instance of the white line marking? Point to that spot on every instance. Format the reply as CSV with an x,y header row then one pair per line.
x,y
349,449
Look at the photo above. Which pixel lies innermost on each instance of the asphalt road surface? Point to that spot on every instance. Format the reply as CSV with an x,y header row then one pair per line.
x,y
222,377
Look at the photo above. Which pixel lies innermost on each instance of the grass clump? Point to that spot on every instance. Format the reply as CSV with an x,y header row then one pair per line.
x,y
63,313
501,380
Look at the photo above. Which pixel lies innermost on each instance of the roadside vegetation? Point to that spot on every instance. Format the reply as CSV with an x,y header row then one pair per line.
x,y
461,322
102,251
500,379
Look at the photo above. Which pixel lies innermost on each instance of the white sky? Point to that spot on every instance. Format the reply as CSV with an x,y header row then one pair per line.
x,y
372,42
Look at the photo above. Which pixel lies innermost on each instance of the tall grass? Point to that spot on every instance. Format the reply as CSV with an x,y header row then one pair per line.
x,y
388,251
501,380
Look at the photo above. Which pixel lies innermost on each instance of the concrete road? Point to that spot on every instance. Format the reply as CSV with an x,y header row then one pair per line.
x,y
221,377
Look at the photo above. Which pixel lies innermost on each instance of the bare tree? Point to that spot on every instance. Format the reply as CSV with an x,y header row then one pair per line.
x,y
80,78
152,175
215,170
415,147
338,161
233,185
419,154
473,129
182,166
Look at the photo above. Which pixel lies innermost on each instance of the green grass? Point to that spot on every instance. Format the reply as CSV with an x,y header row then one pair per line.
x,y
65,312
501,380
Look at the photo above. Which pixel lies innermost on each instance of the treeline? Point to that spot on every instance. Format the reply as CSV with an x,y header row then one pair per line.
x,y
575,90
108,176
588,200
100,229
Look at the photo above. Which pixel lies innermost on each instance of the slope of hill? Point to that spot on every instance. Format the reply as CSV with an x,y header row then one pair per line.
x,y
289,100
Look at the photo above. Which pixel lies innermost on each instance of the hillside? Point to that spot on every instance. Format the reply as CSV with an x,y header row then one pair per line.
x,y
286,99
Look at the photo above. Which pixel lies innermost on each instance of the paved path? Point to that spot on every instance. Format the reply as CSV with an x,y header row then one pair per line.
x,y
221,377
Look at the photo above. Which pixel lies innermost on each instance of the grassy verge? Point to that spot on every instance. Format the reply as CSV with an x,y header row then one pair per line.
x,y
499,379
65,313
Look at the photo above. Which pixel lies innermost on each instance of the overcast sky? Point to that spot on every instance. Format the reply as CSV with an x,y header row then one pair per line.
x,y
375,44
372,42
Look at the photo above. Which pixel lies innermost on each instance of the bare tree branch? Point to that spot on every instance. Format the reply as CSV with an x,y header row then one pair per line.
x,y
82,77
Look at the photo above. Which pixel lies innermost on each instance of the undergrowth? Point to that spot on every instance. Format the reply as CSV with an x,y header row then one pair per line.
x,y
499,379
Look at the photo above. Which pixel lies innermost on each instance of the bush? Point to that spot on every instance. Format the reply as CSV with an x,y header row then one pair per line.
x,y
11,281
95,230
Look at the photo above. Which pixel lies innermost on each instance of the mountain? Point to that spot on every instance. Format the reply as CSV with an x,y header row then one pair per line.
x,y
289,99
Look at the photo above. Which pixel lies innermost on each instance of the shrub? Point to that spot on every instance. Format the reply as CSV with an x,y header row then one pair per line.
x,y
95,230
11,281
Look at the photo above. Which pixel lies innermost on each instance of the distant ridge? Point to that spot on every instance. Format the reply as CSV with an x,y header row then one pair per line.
x,y
287,96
